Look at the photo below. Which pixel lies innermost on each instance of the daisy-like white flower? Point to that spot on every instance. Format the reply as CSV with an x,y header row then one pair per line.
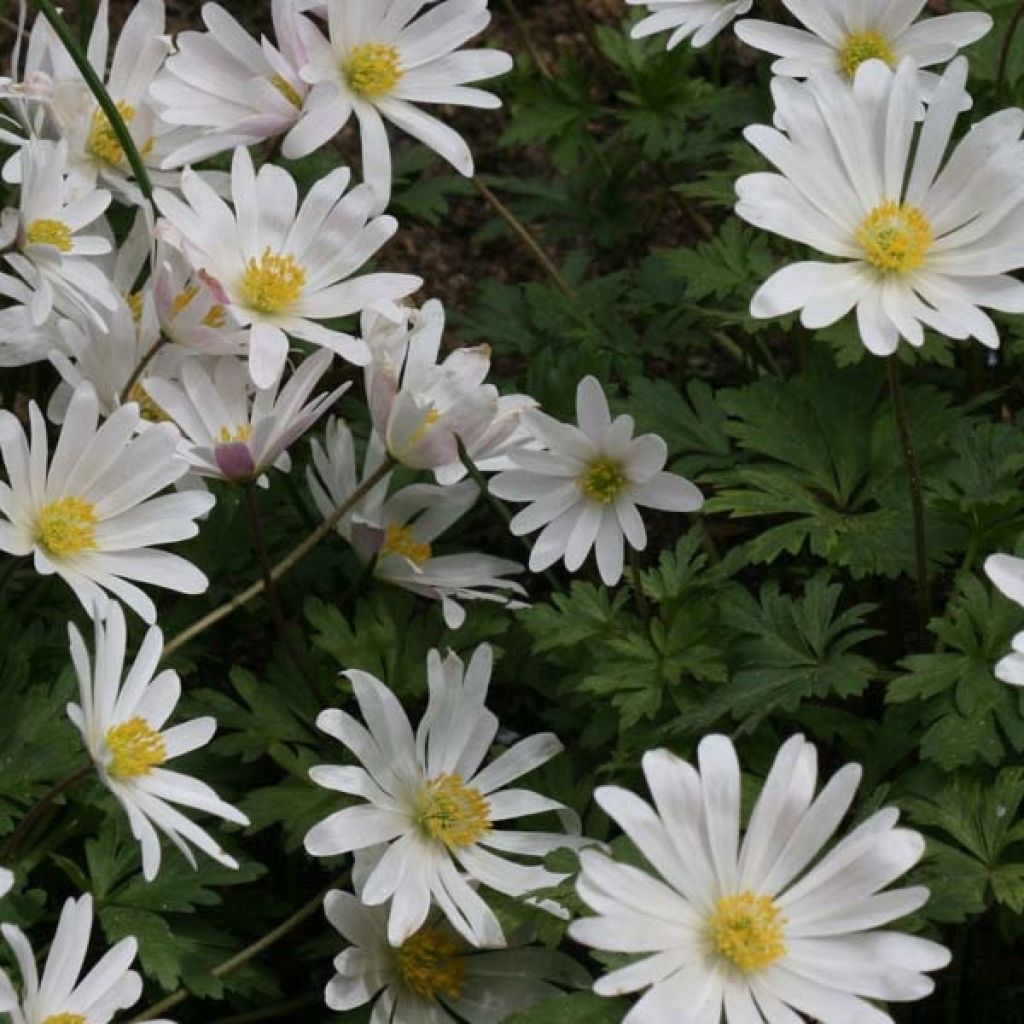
x,y
235,90
123,727
383,58
434,974
232,436
89,514
277,268
6,882
425,795
59,997
744,928
53,246
585,486
839,36
1007,573
915,243
422,408
396,534
21,341
699,20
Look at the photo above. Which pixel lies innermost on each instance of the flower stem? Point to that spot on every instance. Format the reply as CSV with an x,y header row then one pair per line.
x,y
97,88
17,837
643,608
286,564
1004,51
899,411
306,911
528,40
141,368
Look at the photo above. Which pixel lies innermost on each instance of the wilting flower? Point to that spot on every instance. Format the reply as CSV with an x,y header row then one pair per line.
x,y
277,268
1007,573
426,796
840,36
434,974
380,62
232,436
745,927
585,485
700,19
123,727
396,534
916,244
60,997
89,514
235,90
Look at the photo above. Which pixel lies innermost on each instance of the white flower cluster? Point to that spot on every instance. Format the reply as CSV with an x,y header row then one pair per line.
x,y
192,350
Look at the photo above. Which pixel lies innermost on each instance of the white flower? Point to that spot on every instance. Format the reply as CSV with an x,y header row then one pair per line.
x,y
232,436
746,928
1007,573
840,36
585,486
59,997
122,725
89,514
433,974
53,247
21,341
426,797
236,90
380,62
6,882
420,407
396,534
278,270
916,244
701,19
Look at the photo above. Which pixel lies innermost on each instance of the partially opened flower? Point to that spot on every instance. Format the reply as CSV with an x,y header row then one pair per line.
x,y
915,242
434,974
585,485
383,58
234,90
396,534
1007,573
90,514
427,796
230,433
838,36
60,996
279,269
699,20
768,928
123,719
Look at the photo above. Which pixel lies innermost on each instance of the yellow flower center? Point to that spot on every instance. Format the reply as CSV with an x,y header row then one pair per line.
x,y
895,238
239,435
373,69
65,1018
748,930
67,527
103,141
287,90
183,299
862,46
429,964
134,301
135,749
452,812
47,231
603,481
216,317
400,540
149,410
273,282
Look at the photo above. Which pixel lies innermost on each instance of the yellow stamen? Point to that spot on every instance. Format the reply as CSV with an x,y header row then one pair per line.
x,y
373,69
429,964
47,231
748,930
136,748
183,299
452,812
67,527
103,141
134,301
273,282
400,540
287,90
216,317
862,46
895,238
603,481
149,410
239,435
65,1018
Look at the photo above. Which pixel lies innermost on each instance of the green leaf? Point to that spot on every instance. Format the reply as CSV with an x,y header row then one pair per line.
x,y
578,1008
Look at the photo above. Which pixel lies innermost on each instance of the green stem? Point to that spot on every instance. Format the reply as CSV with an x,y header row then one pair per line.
x,y
141,367
97,88
17,837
